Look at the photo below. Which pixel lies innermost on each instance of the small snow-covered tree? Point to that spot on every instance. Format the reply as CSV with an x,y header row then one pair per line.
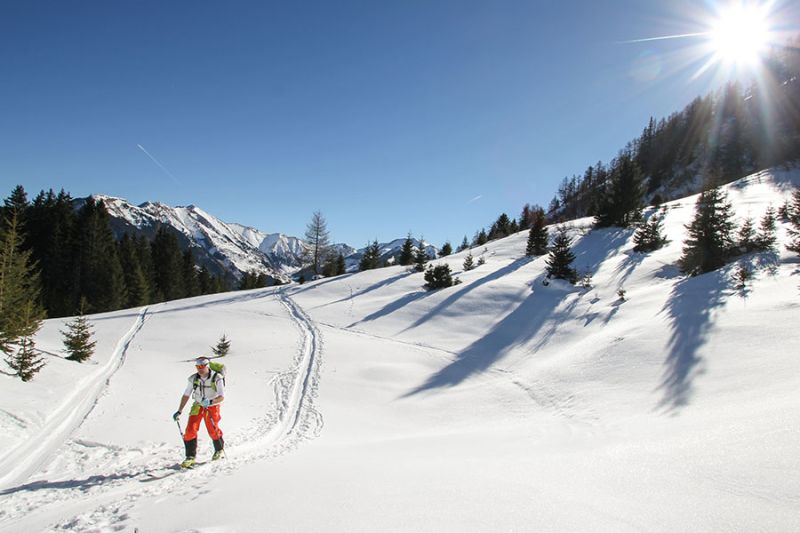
x,y
793,213
649,236
538,236
78,337
709,243
223,346
766,238
559,262
746,238
439,277
469,263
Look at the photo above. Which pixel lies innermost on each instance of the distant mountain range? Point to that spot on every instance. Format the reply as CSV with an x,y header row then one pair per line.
x,y
228,248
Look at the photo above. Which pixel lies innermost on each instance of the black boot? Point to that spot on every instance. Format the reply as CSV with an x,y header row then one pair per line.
x,y
191,448
219,444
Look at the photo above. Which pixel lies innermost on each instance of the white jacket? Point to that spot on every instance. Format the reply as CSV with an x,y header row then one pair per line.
x,y
205,389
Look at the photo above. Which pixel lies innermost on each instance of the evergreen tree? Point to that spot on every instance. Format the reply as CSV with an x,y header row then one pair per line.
x,y
480,238
446,250
793,211
223,347
620,204
709,243
371,258
25,361
136,283
20,312
204,280
766,239
649,236
167,263
420,257
318,240
16,203
439,277
469,264
78,337
526,218
97,271
341,268
559,262
191,285
746,238
49,233
464,245
407,251
538,236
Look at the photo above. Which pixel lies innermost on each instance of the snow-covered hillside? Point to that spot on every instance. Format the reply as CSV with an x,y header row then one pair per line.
x,y
365,403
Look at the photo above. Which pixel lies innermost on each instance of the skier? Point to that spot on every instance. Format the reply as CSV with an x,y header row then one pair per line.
x,y
207,388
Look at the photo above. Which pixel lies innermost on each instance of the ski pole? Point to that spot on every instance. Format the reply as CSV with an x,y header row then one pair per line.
x,y
179,427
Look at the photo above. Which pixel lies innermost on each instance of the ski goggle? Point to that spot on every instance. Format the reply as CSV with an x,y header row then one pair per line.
x,y
200,366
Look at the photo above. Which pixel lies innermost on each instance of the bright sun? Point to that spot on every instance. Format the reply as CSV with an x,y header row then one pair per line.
x,y
740,35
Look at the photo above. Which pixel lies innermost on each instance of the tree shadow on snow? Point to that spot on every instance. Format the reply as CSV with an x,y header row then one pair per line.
x,y
393,306
375,286
522,324
80,484
690,308
450,300
590,254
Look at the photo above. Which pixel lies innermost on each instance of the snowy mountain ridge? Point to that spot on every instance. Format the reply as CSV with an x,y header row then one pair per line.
x,y
231,246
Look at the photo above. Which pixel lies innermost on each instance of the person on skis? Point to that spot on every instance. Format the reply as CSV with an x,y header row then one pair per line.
x,y
207,389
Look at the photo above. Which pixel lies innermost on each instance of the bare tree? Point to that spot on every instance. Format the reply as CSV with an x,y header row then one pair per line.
x,y
318,240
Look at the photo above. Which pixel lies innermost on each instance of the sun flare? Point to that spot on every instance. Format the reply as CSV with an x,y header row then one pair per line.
x,y
740,35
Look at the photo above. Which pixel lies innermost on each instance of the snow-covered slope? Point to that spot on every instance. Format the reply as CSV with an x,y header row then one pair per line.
x,y
365,403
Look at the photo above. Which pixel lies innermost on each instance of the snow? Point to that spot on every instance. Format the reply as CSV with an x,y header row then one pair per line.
x,y
364,403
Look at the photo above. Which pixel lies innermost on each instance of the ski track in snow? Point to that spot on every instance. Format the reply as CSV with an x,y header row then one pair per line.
x,y
29,456
116,489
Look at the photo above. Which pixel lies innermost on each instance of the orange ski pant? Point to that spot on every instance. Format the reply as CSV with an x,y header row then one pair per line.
x,y
211,416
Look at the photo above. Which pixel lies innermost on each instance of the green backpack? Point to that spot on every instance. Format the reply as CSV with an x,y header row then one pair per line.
x,y
217,372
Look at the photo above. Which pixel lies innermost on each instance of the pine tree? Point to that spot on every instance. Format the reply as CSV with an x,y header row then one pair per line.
x,y
341,268
20,312
420,257
16,203
620,204
559,262
191,285
538,236
446,250
78,337
469,264
167,263
766,239
26,362
204,280
97,271
407,252
371,258
49,231
746,238
464,245
793,212
223,346
439,277
649,236
136,283
318,240
709,243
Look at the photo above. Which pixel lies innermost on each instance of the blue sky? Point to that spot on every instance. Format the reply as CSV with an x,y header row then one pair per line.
x,y
432,117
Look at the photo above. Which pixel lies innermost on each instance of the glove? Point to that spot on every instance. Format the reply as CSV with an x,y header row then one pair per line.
x,y
206,403
176,416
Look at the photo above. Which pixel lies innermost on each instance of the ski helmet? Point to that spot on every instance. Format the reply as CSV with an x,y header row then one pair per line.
x,y
201,361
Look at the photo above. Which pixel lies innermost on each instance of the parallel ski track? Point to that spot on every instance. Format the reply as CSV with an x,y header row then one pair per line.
x,y
294,421
29,456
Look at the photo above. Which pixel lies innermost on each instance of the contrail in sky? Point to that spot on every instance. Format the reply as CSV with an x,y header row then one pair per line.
x,y
475,199
157,162
665,37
